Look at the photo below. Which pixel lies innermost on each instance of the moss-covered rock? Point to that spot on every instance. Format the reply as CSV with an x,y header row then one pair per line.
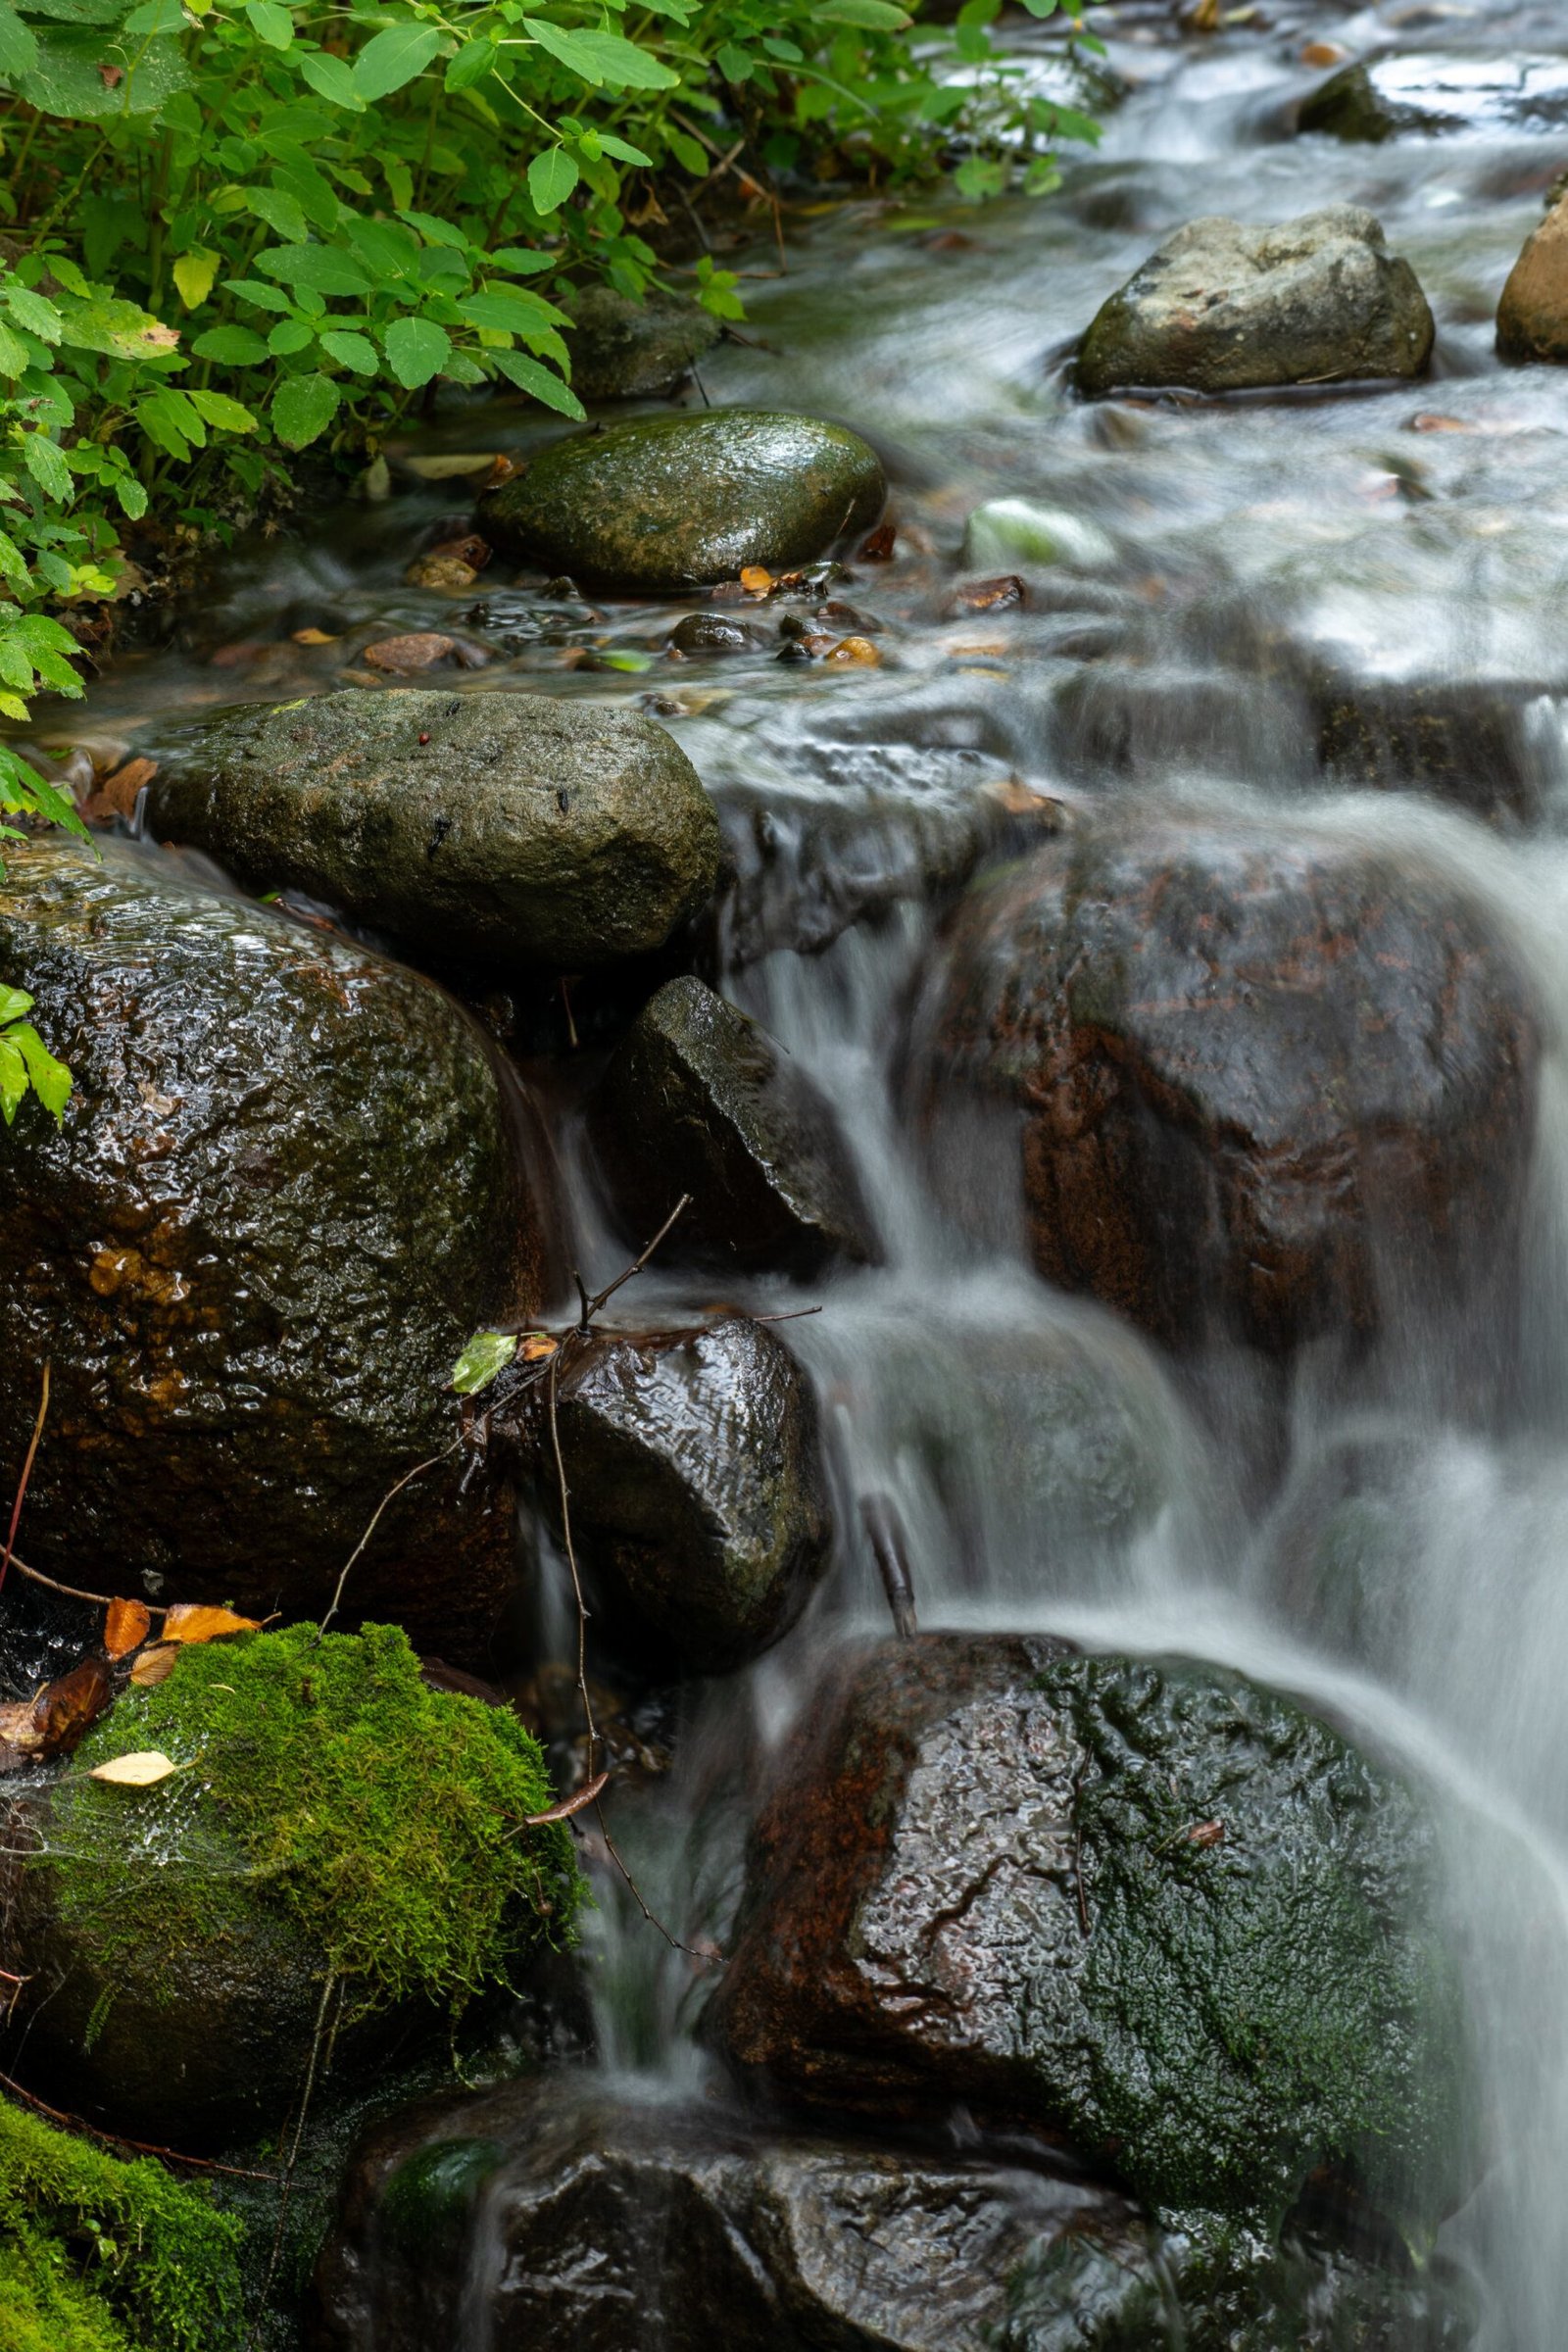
x,y
287,1189
494,829
698,1099
662,504
335,1832
99,2255
699,1505
625,350
1153,1910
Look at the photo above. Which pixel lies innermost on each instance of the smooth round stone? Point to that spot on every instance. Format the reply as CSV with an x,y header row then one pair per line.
x,y
662,504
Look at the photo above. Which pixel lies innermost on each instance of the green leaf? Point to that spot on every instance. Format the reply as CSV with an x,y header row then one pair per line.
x,y
602,59
19,48
620,151
66,79
229,415
486,1354
512,309
391,58
331,78
171,424
283,213
552,176
47,466
13,564
255,290
290,335
874,16
120,330
12,1080
231,346
417,350
270,23
529,376
13,354
303,406
352,351
51,1080
688,153
31,311
471,63
13,1003
194,273
326,268
523,261
158,16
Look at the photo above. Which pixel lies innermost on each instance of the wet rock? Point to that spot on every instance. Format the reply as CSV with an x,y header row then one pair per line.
x,y
1532,315
574,2217
1468,740
1151,1910
1425,93
715,633
624,350
698,1099
1352,106
504,829
1222,306
699,1505
662,504
1261,1083
287,1191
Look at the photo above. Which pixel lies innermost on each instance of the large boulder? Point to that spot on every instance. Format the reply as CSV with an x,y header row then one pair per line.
x,y
1223,306
662,504
557,2211
1259,1084
498,829
1151,1910
698,1499
625,350
698,1099
1533,314
287,1188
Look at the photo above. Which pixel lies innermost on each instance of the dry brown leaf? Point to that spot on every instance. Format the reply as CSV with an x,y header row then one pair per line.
x,y
756,579
989,596
116,794
194,1621
57,1718
878,547
126,1627
155,1665
143,1769
313,637
569,1805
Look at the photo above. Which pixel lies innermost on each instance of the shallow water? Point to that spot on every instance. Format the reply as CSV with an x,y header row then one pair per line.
x,y
1251,549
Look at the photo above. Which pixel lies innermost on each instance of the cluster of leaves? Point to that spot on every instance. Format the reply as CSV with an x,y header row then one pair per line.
x,y
25,1060
98,2255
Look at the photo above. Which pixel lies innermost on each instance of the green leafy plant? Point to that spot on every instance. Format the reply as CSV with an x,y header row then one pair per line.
x,y
25,1060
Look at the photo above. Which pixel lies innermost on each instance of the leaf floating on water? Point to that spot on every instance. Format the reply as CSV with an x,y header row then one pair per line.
x,y
191,1621
126,1627
487,1354
155,1665
144,1768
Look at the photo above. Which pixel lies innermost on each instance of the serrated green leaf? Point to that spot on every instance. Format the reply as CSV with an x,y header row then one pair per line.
x,y
231,347
512,309
13,354
604,60
12,1080
486,1355
34,313
13,1003
620,151
391,58
289,337
529,376
47,466
194,273
66,79
19,47
416,349
551,177
120,330
51,1080
872,15
330,77
257,291
283,213
352,351
229,415
270,23
303,406
473,60
325,268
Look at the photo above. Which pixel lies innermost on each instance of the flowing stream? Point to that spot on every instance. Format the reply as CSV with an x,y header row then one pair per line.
x,y
1051,1467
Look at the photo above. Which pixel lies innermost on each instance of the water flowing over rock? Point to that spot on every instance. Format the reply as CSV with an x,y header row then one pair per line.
x,y
1261,1085
1223,307
1154,1911
699,1505
662,504
287,1189
502,829
1532,315
625,350
698,1099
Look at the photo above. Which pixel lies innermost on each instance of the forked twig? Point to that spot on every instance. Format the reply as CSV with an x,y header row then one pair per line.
x,y
395,1489
26,1473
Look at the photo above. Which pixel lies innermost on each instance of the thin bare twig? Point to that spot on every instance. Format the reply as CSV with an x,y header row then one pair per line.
x,y
601,1298
117,2139
286,2177
26,1473
394,1490
590,1724
102,1600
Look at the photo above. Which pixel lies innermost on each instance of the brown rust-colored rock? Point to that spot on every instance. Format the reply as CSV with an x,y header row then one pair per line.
x,y
1532,315
1258,1080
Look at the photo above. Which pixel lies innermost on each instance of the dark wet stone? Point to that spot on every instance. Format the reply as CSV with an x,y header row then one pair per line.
x,y
1261,1083
286,1191
503,829
1533,314
698,1099
662,504
1151,1910
625,350
1466,740
1425,92
699,1505
716,633
1222,306
1350,106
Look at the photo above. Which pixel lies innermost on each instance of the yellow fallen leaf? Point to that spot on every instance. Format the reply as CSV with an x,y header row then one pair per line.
x,y
191,1621
143,1769
313,637
756,579
155,1665
125,1627
858,650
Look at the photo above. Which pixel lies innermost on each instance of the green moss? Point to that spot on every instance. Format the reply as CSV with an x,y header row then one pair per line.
x,y
323,1778
100,2255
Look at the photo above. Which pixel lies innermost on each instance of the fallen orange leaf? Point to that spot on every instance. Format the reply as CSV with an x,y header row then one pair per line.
x,y
756,579
191,1621
155,1665
125,1627
537,1347
313,637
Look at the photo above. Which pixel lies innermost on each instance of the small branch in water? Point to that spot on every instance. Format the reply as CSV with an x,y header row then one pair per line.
x,y
394,1490
26,1473
100,1601
601,1298
884,1531
116,2139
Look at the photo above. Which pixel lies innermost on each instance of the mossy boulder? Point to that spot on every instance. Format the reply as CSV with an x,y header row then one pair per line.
x,y
699,1503
699,1098
662,504
501,830
1151,1910
1223,306
625,350
338,1846
287,1188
